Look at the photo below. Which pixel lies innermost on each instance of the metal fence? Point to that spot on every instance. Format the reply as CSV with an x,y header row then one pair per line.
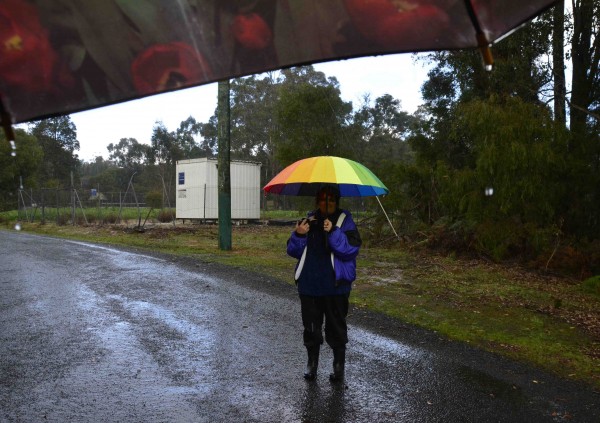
x,y
64,205
78,206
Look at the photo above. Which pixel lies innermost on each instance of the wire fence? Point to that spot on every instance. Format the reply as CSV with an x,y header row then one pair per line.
x,y
270,202
77,206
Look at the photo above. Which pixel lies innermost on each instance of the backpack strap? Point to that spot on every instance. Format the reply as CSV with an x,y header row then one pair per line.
x,y
339,224
300,265
340,220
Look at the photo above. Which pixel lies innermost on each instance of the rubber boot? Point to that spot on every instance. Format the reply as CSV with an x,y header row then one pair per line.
x,y
313,362
339,362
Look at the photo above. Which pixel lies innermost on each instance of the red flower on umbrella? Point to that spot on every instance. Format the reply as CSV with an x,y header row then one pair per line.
x,y
27,59
164,67
251,31
392,22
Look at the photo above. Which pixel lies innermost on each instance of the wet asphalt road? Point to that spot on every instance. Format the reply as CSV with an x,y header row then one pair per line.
x,y
95,334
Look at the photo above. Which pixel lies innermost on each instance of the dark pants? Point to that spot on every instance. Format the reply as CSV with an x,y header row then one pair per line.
x,y
333,309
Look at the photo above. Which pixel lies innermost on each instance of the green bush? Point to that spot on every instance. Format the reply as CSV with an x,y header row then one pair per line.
x,y
497,239
80,219
154,199
592,285
62,219
166,215
110,218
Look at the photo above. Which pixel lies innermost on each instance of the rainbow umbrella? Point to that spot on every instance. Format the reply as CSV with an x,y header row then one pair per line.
x,y
307,176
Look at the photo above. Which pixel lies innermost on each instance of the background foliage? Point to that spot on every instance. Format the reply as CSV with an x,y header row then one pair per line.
x,y
516,131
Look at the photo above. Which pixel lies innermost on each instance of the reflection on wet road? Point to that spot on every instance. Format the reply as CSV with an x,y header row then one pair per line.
x,y
91,333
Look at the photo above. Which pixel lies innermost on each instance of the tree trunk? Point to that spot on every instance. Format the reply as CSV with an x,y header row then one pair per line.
x,y
581,59
558,61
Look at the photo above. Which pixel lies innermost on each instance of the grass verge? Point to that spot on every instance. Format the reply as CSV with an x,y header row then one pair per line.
x,y
548,321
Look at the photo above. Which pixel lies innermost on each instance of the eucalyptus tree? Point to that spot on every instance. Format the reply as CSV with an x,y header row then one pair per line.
x,y
302,75
512,196
209,137
164,152
383,127
585,58
253,122
260,102
186,135
128,157
459,77
559,88
582,211
104,175
491,132
128,153
58,139
312,117
163,146
23,167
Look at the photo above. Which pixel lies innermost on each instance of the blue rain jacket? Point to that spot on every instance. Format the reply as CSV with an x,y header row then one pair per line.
x,y
326,268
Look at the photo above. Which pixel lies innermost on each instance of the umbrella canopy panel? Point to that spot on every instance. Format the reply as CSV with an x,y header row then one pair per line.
x,y
62,56
307,176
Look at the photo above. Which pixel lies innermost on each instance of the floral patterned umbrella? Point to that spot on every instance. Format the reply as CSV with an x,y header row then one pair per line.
x,y
62,56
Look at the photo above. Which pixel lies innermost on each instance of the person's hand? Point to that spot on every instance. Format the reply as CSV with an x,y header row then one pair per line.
x,y
327,225
302,227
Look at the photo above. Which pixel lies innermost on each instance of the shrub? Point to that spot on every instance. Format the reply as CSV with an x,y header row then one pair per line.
x,y
166,215
110,218
62,219
154,199
592,285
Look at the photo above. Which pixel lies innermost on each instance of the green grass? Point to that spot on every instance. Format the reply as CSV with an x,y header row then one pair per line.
x,y
550,322
64,215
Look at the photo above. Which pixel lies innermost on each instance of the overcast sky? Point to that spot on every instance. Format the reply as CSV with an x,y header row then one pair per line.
x,y
397,75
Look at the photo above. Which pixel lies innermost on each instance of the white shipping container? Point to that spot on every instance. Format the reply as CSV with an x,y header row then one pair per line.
x,y
197,189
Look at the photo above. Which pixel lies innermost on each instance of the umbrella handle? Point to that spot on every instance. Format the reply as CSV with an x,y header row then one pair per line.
x,y
327,217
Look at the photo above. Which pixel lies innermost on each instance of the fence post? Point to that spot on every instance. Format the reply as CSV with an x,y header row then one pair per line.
x,y
57,208
98,208
18,206
43,207
72,200
224,154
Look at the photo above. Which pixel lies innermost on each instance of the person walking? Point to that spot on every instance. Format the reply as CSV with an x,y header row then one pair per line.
x,y
326,244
